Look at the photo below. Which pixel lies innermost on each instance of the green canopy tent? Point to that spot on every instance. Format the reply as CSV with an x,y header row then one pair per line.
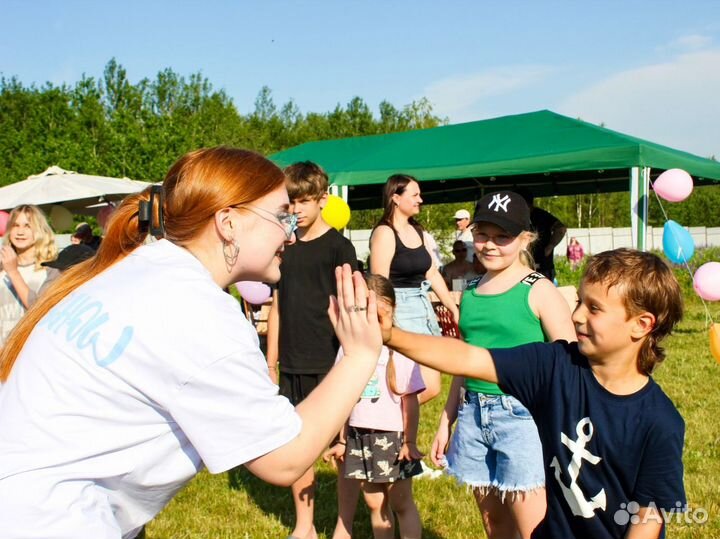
x,y
547,153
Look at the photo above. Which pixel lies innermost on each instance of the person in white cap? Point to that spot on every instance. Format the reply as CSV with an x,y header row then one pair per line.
x,y
463,232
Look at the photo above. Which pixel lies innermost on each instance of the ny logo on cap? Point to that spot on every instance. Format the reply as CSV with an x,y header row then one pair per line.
x,y
499,202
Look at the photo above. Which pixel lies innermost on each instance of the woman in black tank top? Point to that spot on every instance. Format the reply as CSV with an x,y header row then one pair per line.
x,y
398,251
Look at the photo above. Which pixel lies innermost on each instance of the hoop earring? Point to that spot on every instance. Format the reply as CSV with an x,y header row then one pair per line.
x,y
231,251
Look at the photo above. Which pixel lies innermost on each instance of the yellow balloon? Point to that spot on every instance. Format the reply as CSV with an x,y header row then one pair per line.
x,y
715,341
336,212
61,218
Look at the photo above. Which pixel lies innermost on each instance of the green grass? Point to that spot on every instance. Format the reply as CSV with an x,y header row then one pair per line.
x,y
237,505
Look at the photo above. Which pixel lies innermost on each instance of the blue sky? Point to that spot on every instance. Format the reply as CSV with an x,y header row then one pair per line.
x,y
646,68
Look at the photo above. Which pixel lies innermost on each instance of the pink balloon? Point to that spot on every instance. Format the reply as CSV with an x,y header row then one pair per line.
x,y
254,292
4,217
673,185
707,281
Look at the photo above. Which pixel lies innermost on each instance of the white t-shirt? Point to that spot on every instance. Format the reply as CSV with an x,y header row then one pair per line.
x,y
123,391
11,308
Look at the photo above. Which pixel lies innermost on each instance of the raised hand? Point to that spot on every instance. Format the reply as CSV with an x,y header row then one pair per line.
x,y
354,315
8,258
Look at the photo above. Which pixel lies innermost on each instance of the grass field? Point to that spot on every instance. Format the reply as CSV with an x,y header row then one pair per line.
x,y
237,505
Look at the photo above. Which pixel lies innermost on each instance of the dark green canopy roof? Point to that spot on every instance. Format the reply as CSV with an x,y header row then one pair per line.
x,y
549,153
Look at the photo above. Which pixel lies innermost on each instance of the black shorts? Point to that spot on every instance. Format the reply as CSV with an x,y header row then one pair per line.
x,y
296,387
372,456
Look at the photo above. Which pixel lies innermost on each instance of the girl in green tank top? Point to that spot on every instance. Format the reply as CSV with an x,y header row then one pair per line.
x,y
495,448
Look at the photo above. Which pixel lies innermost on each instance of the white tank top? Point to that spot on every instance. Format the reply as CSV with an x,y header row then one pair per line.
x,y
11,308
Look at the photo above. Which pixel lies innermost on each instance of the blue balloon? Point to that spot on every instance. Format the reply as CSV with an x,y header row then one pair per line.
x,y
678,244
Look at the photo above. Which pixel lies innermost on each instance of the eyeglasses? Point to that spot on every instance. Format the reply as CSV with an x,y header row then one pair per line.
x,y
498,239
286,221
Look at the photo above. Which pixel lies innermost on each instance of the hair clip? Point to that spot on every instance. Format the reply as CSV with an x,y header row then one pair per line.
x,y
145,213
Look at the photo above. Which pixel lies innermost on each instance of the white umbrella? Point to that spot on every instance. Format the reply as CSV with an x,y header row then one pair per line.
x,y
79,193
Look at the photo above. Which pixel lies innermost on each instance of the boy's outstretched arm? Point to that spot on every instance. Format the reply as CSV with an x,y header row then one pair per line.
x,y
445,354
649,525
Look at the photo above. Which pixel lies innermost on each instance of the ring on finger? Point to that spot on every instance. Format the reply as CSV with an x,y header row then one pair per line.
x,y
355,309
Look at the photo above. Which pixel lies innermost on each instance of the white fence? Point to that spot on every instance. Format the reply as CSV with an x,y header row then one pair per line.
x,y
593,240
596,240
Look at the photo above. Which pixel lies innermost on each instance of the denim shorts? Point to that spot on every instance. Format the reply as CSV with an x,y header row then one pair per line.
x,y
496,445
414,312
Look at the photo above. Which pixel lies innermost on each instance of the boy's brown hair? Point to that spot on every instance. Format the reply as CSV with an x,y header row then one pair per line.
x,y
646,284
306,179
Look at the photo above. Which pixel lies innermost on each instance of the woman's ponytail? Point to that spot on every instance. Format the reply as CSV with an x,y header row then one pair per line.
x,y
124,233
198,185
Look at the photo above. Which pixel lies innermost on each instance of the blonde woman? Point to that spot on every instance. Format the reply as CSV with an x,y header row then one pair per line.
x,y
28,243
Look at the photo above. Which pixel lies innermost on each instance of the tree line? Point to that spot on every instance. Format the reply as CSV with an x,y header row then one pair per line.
x,y
113,127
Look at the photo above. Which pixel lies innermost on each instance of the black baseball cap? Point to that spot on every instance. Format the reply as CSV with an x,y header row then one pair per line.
x,y
506,209
71,255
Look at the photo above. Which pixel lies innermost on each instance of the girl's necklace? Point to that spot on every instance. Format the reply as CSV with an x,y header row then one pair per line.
x,y
25,264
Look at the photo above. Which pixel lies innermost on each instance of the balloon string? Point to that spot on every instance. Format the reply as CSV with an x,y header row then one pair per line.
x,y
708,318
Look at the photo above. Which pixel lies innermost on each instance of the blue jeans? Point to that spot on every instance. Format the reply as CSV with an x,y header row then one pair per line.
x,y
414,312
496,445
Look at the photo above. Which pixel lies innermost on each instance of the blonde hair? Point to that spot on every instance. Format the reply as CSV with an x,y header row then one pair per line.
x,y
197,186
526,256
45,248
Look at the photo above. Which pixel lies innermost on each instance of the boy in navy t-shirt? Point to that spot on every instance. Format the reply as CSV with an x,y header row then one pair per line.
x,y
612,440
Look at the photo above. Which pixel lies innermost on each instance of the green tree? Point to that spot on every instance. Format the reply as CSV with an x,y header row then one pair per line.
x,y
112,126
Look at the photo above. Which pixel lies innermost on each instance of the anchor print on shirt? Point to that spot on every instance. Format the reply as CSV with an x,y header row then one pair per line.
x,y
574,496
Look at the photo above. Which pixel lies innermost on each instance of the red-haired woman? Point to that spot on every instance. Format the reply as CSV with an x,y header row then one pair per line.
x,y
136,369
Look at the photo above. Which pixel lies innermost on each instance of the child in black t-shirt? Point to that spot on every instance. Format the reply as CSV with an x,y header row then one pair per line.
x,y
612,440
300,336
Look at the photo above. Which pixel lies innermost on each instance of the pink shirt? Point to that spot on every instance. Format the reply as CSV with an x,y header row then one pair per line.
x,y
575,252
379,408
